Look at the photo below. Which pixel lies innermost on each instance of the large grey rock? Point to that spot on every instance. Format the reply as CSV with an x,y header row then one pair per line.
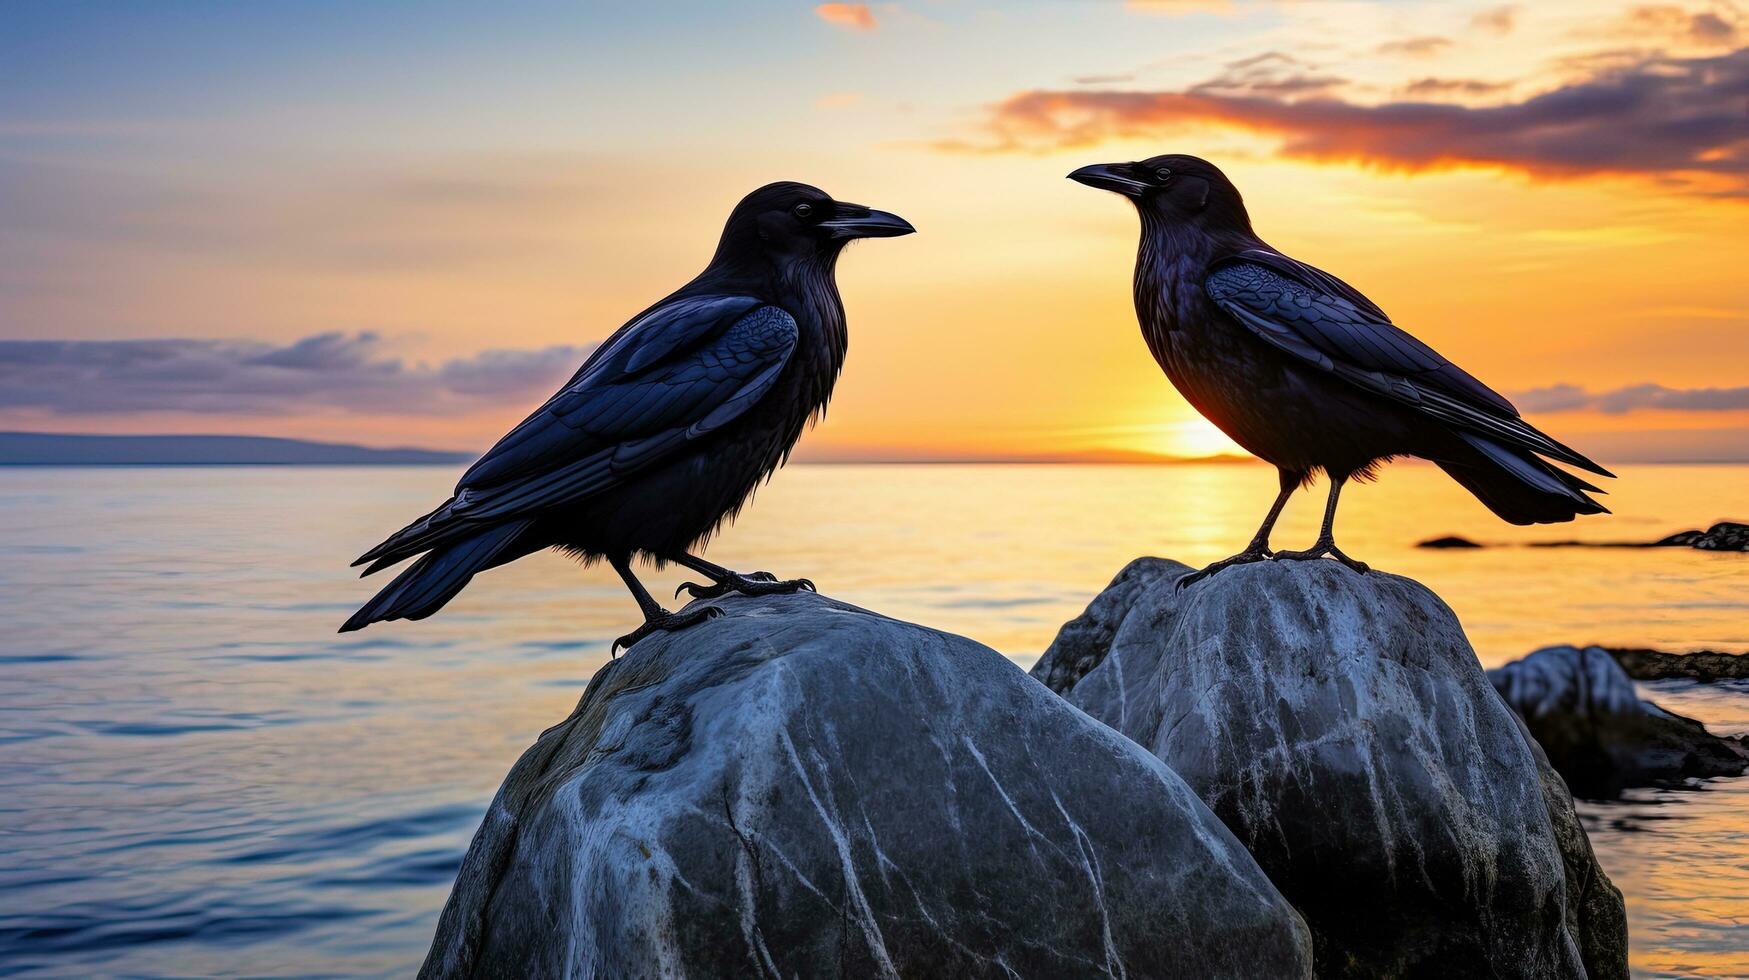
x,y
1341,726
1589,718
806,789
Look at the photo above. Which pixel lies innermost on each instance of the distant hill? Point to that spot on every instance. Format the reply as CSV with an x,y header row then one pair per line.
x,y
63,449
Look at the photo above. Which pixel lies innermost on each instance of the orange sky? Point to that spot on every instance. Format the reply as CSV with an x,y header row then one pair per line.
x,y
455,189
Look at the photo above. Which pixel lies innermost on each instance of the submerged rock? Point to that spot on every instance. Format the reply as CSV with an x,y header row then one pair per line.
x,y
1340,725
1598,733
1723,536
1701,665
1449,541
803,788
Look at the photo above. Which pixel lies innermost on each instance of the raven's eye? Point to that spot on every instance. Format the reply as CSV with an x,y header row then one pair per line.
x,y
1162,175
804,209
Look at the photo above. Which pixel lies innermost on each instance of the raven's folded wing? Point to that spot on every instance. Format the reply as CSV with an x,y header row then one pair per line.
x,y
1327,323
668,378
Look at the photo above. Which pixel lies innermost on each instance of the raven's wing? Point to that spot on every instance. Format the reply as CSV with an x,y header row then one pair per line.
x,y
1327,323
655,335
672,376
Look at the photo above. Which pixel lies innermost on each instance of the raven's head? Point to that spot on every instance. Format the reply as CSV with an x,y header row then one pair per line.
x,y
791,220
1174,186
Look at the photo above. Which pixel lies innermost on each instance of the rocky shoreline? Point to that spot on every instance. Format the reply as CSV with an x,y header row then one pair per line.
x,y
1723,536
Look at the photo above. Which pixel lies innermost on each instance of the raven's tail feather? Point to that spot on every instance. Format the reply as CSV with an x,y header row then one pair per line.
x,y
427,584
1518,486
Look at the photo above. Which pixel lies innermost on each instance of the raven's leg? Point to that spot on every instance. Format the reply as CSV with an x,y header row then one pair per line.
x,y
656,619
1258,549
1326,543
726,581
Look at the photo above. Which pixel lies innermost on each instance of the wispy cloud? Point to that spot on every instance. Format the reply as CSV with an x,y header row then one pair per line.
x,y
838,100
1173,7
850,16
1112,79
319,374
1498,21
1679,121
1575,398
1272,74
1445,87
1717,27
1415,47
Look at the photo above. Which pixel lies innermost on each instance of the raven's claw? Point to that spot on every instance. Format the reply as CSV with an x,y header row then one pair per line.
x,y
1255,553
758,583
666,623
1324,549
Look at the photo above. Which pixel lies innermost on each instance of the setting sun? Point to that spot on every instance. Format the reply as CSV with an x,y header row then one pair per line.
x,y
1195,439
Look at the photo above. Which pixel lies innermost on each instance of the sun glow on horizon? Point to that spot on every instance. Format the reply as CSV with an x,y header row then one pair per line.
x,y
1193,438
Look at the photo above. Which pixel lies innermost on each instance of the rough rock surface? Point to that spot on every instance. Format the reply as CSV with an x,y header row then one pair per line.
x,y
803,788
1589,718
1701,665
1341,726
1723,536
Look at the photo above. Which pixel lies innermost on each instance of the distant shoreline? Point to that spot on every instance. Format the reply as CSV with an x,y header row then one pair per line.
x,y
72,450
463,459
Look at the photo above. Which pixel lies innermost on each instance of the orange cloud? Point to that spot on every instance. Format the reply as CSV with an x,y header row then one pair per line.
x,y
1678,121
838,100
1178,6
850,16
1496,20
1705,27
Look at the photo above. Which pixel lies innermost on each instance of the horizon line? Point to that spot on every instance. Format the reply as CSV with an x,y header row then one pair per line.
x,y
827,457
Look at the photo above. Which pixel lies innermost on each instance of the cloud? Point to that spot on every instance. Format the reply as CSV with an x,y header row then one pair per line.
x,y
1415,47
1271,74
850,16
1679,121
1103,79
1498,21
838,100
1707,28
321,373
1175,7
1574,398
1438,87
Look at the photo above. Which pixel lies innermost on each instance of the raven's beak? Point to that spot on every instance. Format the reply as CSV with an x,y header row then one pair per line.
x,y
856,221
1109,177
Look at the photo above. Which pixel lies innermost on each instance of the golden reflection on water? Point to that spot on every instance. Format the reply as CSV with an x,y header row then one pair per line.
x,y
174,693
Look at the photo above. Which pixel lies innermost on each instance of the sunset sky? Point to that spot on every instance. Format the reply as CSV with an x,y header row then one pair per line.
x,y
403,224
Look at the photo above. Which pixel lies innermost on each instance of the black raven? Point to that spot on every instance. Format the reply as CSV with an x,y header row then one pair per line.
x,y
665,430
1303,371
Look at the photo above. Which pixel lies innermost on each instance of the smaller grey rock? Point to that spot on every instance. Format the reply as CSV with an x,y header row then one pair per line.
x,y
1342,728
1588,716
1083,642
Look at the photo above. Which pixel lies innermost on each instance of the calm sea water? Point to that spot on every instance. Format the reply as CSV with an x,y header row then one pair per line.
x,y
198,777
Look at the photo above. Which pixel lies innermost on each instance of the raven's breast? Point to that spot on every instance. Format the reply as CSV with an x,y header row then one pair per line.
x,y
673,505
